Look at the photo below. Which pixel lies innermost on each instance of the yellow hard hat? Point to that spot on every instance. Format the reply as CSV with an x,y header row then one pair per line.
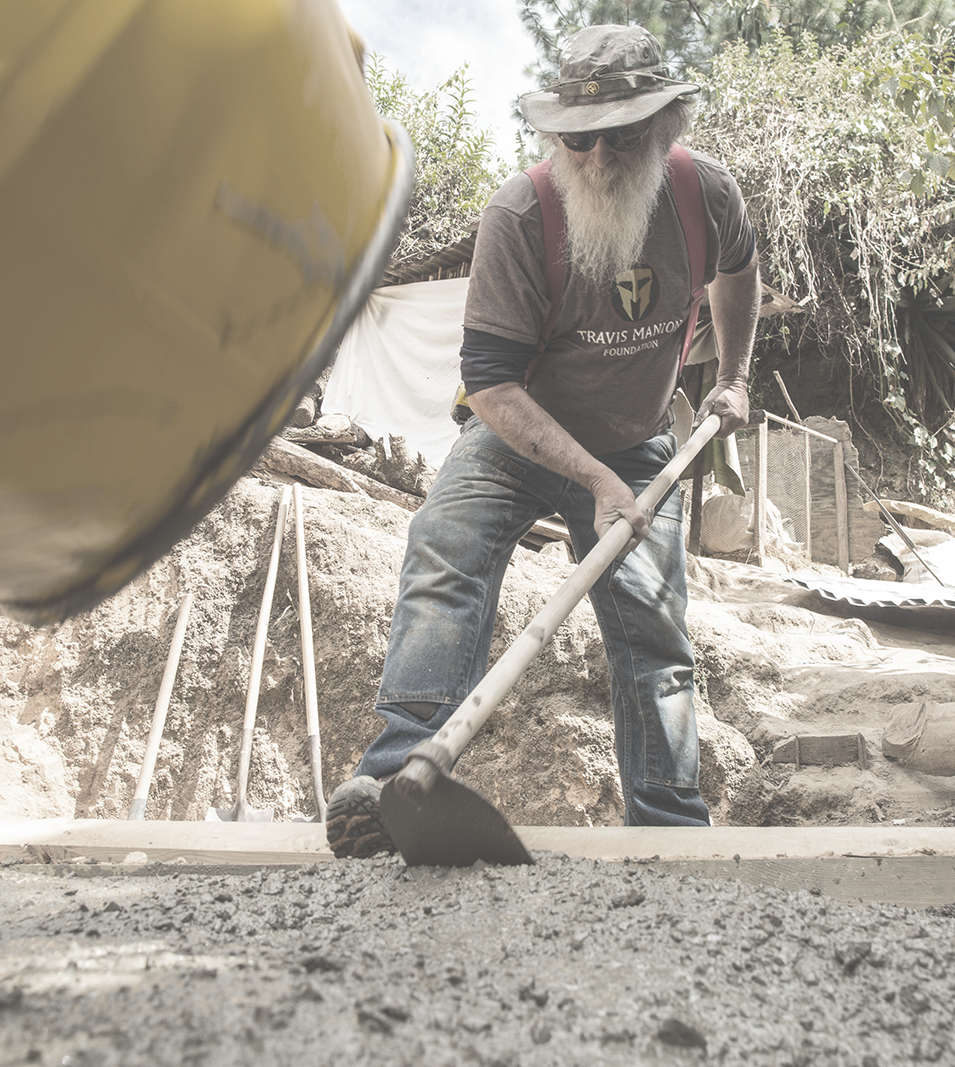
x,y
195,200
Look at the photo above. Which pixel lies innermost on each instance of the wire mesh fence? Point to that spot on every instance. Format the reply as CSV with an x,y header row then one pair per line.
x,y
796,505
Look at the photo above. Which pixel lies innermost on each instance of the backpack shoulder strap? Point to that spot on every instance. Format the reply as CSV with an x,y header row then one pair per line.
x,y
552,213
685,183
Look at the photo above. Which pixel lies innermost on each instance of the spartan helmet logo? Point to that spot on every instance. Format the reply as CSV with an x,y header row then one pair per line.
x,y
635,293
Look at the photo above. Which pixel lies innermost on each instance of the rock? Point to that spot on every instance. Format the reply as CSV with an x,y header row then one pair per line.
x,y
681,1034
726,759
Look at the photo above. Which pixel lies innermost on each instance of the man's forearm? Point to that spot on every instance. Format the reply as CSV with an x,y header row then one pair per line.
x,y
524,425
734,305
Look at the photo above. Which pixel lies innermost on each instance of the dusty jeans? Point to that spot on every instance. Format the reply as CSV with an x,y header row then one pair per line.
x,y
485,498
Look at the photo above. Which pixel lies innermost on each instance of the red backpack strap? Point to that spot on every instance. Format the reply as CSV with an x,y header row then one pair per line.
x,y
552,212
685,183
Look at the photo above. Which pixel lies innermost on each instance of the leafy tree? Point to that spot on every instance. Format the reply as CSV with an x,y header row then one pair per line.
x,y
693,31
456,168
847,161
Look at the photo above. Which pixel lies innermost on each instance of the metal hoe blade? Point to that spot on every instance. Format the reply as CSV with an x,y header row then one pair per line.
x,y
450,825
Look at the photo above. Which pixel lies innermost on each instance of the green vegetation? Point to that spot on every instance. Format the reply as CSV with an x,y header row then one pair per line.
x,y
837,120
847,160
693,32
456,169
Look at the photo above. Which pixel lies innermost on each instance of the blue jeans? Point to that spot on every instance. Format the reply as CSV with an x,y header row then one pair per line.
x,y
485,498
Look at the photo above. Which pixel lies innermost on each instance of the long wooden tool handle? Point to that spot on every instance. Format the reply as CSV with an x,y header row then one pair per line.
x,y
137,809
308,655
258,648
494,686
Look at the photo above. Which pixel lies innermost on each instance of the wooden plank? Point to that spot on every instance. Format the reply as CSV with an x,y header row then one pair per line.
x,y
696,508
813,750
910,866
551,530
807,501
747,842
913,882
800,426
842,507
926,518
309,436
110,841
305,842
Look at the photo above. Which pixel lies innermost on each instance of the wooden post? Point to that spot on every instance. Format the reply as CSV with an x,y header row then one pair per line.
x,y
807,459
842,506
696,490
762,479
696,507
786,396
137,809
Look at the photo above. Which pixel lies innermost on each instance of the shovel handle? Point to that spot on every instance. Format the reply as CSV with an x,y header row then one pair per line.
x,y
438,754
308,655
137,809
258,649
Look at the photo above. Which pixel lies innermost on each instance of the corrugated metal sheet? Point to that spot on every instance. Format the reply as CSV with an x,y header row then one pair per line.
x,y
865,593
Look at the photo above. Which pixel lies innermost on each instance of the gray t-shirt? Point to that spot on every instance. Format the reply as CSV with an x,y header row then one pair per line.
x,y
610,367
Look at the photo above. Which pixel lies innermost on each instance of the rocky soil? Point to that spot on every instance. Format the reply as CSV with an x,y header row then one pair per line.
x,y
76,700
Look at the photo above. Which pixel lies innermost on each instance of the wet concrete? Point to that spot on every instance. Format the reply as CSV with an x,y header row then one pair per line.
x,y
369,962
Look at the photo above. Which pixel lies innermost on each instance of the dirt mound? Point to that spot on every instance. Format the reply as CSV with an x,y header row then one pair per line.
x,y
76,700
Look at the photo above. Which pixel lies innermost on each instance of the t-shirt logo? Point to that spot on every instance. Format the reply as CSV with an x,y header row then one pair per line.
x,y
635,293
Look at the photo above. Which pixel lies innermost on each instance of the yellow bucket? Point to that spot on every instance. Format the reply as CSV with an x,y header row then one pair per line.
x,y
196,196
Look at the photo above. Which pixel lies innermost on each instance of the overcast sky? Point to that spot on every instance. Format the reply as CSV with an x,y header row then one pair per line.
x,y
428,40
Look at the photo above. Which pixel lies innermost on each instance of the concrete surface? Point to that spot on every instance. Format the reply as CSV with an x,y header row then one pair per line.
x,y
566,962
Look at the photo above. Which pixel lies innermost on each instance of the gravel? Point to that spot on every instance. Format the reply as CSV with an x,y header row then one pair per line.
x,y
370,962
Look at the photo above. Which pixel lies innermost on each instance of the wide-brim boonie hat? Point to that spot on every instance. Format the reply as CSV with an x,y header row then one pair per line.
x,y
609,76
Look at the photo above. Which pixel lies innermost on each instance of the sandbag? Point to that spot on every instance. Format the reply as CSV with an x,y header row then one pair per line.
x,y
922,737
727,525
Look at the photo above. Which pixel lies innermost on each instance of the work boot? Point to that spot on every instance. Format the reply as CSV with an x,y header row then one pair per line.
x,y
353,820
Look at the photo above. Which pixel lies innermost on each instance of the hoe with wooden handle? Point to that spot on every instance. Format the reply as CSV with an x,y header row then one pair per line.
x,y
437,821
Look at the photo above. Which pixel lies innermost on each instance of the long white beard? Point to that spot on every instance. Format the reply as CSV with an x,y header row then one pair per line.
x,y
609,209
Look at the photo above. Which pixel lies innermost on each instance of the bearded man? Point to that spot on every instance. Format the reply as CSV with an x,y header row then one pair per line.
x,y
584,437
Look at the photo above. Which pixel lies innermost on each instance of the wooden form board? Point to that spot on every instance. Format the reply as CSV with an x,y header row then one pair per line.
x,y
912,866
913,882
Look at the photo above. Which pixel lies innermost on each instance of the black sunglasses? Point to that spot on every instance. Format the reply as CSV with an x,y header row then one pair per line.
x,y
620,139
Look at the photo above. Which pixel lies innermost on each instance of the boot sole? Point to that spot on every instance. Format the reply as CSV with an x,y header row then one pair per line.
x,y
354,827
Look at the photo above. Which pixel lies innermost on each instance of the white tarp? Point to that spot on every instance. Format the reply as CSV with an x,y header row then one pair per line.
x,y
933,558
399,366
